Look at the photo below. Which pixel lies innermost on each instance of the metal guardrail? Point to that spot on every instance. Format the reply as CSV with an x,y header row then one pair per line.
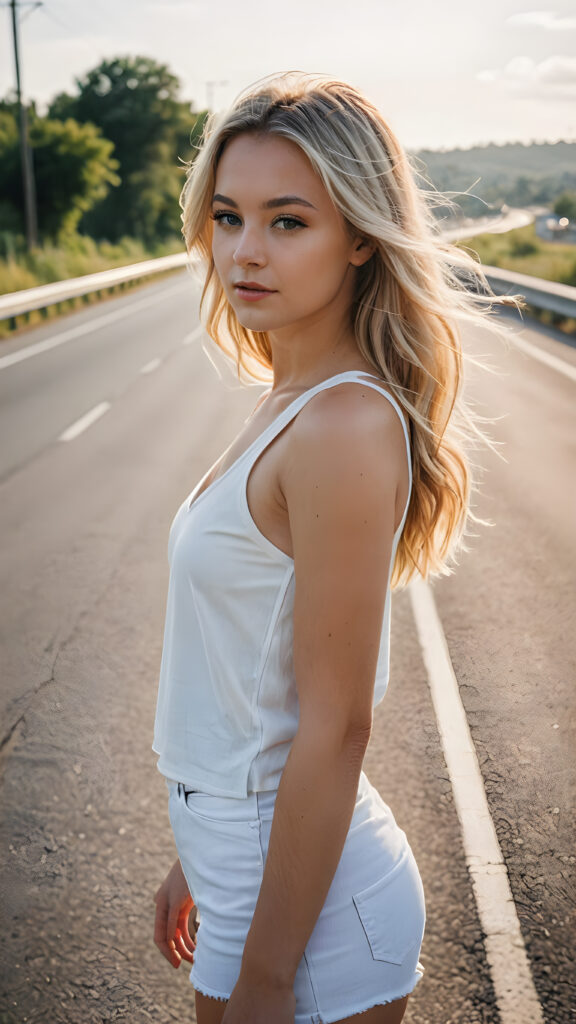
x,y
558,298
15,303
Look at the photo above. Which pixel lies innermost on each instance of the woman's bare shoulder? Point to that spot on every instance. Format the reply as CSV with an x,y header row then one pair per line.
x,y
352,413
347,446
340,479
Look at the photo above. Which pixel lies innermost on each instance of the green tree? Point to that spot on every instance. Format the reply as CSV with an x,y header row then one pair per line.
x,y
523,192
134,102
73,170
565,205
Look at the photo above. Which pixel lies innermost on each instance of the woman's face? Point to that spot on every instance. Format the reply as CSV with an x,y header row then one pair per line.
x,y
275,226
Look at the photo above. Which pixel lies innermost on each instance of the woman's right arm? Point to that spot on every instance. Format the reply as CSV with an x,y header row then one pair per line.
x,y
173,906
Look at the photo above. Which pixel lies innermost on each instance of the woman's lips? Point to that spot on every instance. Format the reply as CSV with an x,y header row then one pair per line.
x,y
252,294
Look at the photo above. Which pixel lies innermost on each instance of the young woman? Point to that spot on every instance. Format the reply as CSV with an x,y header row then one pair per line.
x,y
325,276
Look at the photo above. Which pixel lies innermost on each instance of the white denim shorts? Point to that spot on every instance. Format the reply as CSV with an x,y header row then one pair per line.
x,y
365,946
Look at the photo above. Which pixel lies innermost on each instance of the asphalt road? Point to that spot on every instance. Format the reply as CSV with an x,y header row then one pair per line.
x,y
84,828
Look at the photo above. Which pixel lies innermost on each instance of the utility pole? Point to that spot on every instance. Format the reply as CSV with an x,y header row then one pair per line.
x,y
29,189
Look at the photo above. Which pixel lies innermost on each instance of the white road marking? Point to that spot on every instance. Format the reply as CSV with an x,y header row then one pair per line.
x,y
193,336
151,366
93,325
554,362
84,422
505,951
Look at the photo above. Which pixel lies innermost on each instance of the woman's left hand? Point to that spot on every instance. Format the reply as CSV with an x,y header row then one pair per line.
x,y
259,1005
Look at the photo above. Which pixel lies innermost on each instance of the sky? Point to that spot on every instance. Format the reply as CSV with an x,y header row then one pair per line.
x,y
445,74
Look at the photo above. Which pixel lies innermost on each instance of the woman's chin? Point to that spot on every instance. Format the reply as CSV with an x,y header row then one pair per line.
x,y
252,321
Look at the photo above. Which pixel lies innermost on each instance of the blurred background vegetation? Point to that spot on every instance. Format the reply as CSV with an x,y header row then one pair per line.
x,y
109,165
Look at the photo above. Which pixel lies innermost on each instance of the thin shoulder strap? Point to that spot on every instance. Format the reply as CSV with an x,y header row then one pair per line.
x,y
291,411
401,417
396,405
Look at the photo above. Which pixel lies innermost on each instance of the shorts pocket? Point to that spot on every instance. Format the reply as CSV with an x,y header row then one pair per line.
x,y
221,861
392,911
212,808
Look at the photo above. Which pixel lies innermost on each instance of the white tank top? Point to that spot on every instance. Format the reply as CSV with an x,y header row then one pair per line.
x,y
227,708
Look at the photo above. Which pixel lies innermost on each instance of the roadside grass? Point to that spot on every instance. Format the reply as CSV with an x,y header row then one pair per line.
x,y
76,257
520,250
523,252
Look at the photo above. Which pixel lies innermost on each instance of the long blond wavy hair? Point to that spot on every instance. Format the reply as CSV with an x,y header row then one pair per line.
x,y
411,296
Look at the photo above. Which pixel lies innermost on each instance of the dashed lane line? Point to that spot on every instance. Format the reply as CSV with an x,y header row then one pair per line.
x,y
514,989
94,414
84,422
151,366
193,335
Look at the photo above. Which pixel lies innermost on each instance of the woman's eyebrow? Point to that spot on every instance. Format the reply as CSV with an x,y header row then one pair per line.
x,y
270,204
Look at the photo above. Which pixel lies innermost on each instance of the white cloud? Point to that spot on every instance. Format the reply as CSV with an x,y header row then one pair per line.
x,y
542,19
558,70
520,68
553,77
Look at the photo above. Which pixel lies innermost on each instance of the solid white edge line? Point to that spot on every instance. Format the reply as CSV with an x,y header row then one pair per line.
x,y
84,422
554,362
514,989
93,325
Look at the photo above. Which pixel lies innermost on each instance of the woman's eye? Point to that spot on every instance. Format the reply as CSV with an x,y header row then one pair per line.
x,y
221,215
288,223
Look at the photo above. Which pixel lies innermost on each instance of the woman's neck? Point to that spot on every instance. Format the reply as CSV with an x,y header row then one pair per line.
x,y
295,368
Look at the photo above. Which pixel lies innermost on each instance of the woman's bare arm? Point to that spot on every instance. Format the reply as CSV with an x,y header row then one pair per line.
x,y
347,456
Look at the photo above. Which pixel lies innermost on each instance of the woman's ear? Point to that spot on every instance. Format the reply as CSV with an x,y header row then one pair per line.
x,y
362,250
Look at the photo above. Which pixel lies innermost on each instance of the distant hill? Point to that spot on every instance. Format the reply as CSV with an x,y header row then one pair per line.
x,y
516,174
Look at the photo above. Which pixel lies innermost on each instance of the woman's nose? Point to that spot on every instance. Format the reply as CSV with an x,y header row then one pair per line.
x,y
249,250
